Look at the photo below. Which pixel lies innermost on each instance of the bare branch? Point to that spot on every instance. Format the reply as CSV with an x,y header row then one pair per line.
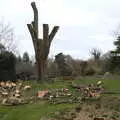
x,y
7,37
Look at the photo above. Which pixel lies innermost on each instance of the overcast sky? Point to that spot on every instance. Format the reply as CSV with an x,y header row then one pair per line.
x,y
84,24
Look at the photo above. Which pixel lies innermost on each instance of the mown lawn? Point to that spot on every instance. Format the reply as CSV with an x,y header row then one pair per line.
x,y
36,110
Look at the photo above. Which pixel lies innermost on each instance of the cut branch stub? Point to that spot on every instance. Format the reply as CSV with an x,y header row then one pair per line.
x,y
52,34
34,30
35,17
45,33
30,28
47,39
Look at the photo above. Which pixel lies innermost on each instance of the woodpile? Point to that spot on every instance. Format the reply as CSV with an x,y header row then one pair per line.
x,y
59,96
64,95
90,91
12,93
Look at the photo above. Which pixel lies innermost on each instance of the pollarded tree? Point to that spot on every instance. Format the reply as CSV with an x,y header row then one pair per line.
x,y
41,46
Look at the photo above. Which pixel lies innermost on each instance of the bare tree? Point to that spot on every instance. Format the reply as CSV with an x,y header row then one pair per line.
x,y
41,46
96,53
7,37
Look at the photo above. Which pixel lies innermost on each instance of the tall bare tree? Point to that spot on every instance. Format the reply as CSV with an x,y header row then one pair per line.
x,y
41,46
7,38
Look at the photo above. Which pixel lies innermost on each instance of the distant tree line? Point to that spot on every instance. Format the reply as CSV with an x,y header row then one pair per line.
x,y
62,65
14,66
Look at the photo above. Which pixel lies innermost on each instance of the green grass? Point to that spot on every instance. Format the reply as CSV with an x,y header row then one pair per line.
x,y
36,110
31,112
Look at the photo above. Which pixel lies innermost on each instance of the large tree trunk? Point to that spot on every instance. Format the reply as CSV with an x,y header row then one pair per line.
x,y
41,46
40,70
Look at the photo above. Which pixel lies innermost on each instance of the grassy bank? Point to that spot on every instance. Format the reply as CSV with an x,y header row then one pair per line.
x,y
41,108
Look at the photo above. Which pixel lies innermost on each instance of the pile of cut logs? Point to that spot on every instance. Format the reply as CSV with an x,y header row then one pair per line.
x,y
12,93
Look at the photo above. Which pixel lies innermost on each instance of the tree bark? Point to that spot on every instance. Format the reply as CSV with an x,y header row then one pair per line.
x,y
41,71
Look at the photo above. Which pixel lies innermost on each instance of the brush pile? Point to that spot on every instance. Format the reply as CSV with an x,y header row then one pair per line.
x,y
91,91
79,93
63,95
